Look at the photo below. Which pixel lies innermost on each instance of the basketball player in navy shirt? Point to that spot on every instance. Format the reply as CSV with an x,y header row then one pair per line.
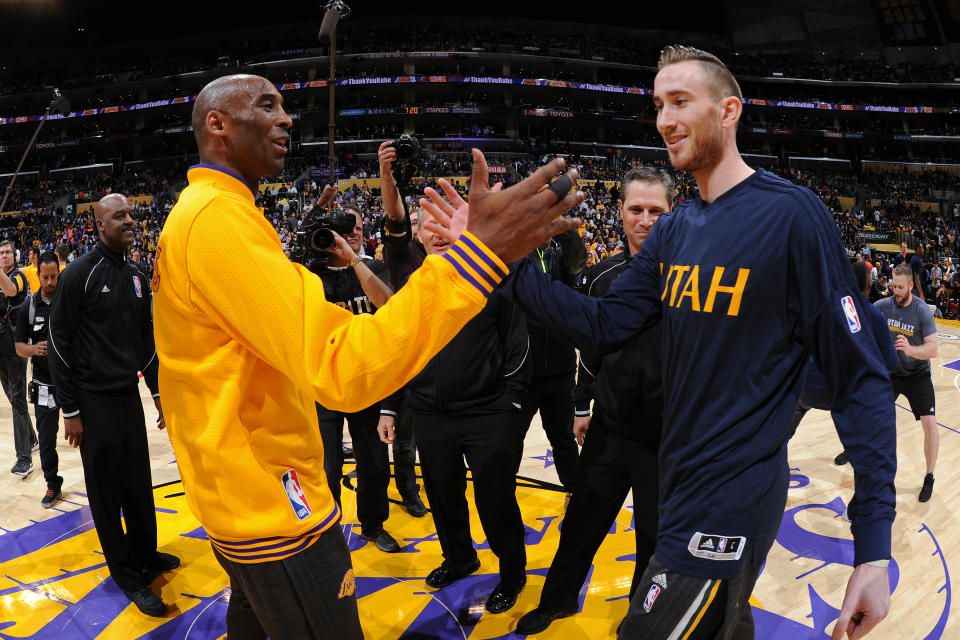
x,y
748,280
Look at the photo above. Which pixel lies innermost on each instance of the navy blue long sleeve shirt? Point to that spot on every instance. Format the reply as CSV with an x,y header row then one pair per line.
x,y
746,286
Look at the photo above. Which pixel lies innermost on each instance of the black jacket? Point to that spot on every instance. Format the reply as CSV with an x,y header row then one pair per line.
x,y
625,385
565,260
31,333
101,328
485,368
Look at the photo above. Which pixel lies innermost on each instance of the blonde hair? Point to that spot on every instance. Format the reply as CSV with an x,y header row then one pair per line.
x,y
718,75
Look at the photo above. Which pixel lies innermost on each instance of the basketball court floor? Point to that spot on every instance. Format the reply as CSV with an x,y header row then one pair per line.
x,y
53,580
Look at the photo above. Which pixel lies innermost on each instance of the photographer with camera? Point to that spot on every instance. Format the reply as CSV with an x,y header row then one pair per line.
x,y
360,285
403,253
402,250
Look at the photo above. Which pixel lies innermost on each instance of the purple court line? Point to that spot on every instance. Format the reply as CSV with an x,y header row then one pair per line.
x,y
939,423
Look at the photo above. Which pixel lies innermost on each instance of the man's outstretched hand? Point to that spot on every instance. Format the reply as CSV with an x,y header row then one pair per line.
x,y
514,222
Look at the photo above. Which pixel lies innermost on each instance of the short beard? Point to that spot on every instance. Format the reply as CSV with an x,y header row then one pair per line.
x,y
707,154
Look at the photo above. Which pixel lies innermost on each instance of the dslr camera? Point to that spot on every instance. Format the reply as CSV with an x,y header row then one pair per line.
x,y
408,161
408,148
315,241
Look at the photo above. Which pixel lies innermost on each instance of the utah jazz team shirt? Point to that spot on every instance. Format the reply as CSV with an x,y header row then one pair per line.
x,y
746,285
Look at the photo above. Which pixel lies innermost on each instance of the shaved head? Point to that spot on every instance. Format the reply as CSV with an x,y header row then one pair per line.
x,y
108,204
114,217
241,127
218,95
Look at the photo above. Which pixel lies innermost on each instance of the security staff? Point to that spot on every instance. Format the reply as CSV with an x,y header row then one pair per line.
x,y
358,284
621,439
14,289
101,335
30,341
465,403
554,362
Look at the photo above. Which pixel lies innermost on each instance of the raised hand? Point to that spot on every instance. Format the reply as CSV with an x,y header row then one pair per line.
x,y
327,197
452,214
514,222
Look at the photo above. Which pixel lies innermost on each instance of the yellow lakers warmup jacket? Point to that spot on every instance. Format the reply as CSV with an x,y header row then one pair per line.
x,y
247,343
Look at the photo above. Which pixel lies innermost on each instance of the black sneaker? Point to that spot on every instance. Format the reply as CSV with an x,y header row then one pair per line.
x,y
148,602
384,541
414,506
164,562
51,498
446,574
927,489
538,620
22,468
841,459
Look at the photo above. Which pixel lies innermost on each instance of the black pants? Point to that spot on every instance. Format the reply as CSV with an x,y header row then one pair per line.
x,y
13,378
308,595
116,470
405,454
610,466
488,441
695,608
48,424
373,462
553,397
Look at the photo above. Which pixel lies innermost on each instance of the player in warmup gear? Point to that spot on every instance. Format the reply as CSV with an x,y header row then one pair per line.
x,y
748,279
242,377
914,334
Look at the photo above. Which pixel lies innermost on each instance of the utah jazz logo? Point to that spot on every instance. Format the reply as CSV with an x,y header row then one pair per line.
x,y
681,288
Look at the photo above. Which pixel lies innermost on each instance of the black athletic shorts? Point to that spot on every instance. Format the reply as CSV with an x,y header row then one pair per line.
x,y
919,393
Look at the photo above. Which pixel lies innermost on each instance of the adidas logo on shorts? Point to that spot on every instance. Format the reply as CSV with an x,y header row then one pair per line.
x,y
660,579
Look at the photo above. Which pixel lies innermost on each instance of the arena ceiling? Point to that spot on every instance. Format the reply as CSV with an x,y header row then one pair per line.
x,y
41,23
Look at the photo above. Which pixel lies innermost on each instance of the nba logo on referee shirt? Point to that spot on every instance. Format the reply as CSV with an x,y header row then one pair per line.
x,y
853,320
651,597
298,499
136,286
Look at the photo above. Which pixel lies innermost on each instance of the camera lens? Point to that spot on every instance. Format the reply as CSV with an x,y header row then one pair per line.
x,y
322,240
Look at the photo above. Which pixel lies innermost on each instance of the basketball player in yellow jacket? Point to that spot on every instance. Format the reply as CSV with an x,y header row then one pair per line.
x,y
247,344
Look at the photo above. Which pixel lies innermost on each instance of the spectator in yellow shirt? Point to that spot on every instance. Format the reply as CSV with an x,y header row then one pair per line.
x,y
31,270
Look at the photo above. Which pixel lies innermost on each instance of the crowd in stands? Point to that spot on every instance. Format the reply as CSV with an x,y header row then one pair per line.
x,y
882,201
300,40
